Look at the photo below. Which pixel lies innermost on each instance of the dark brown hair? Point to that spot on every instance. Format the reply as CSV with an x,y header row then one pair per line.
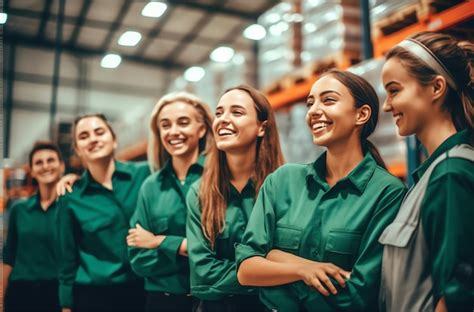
x,y
457,57
215,189
44,145
363,94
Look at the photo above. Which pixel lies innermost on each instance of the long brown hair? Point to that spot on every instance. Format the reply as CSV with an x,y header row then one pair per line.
x,y
156,153
363,94
215,189
457,57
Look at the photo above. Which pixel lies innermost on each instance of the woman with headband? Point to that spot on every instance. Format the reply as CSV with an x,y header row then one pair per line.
x,y
428,257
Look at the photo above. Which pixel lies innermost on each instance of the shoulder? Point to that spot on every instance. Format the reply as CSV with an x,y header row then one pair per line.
x,y
150,182
138,167
19,205
384,178
453,167
292,170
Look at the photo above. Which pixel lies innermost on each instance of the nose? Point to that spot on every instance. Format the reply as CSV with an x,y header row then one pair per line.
x,y
387,107
315,110
174,129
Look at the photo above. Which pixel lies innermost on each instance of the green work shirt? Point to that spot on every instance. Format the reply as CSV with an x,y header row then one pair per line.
x,y
161,209
447,217
31,242
298,212
213,271
93,224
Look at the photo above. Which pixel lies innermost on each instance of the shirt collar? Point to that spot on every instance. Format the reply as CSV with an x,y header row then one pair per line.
x,y
33,201
167,168
122,170
358,177
456,139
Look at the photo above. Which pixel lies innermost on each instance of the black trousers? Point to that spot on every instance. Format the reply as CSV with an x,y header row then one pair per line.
x,y
161,301
40,296
125,297
237,303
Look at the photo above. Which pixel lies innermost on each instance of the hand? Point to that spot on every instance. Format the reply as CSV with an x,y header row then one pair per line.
x,y
141,238
66,310
317,275
183,248
441,306
66,183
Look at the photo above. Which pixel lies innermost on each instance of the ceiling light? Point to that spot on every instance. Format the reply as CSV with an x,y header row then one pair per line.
x,y
111,61
194,74
222,54
129,38
3,18
154,9
255,32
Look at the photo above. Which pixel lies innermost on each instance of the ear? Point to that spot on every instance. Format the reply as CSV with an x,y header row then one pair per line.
x,y
261,129
439,86
202,131
115,144
363,114
63,167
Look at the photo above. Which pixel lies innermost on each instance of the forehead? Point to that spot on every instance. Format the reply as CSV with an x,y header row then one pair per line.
x,y
89,124
328,83
176,110
394,69
44,154
236,97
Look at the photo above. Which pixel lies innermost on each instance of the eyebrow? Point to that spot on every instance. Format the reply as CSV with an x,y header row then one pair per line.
x,y
329,91
390,83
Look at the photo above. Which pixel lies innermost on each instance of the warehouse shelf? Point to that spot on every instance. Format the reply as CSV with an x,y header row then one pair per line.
x,y
435,22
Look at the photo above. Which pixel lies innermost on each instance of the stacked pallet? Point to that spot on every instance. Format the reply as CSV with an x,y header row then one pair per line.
x,y
390,16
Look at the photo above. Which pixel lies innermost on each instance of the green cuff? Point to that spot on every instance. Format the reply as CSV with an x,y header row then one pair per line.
x,y
170,247
65,295
243,252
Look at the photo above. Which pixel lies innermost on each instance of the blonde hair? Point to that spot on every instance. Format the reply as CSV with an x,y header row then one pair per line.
x,y
156,153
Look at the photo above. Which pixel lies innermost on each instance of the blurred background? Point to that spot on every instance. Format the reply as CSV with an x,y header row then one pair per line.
x,y
118,57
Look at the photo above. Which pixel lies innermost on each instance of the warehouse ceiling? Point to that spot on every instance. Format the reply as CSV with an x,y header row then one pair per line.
x,y
184,35
41,96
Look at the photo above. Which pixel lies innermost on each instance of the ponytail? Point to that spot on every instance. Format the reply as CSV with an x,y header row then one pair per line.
x,y
368,146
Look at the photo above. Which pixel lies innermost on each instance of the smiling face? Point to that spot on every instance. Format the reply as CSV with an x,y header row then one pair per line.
x,y
46,167
407,100
93,139
332,115
180,129
236,126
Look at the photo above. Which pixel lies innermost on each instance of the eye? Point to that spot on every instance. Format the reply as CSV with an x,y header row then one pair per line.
x,y
184,122
165,125
237,112
329,100
83,136
218,113
392,91
309,102
100,131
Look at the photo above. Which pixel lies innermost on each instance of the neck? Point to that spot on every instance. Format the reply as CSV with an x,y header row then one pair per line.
x,y
242,167
47,195
102,171
436,132
342,159
182,163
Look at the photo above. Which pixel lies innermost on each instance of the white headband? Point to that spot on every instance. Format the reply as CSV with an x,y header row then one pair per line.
x,y
425,54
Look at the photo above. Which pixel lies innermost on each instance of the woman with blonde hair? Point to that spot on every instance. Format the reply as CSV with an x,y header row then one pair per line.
x,y
180,136
219,205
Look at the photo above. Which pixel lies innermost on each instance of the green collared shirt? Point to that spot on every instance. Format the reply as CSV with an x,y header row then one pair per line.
x,y
93,223
31,241
298,212
162,210
213,271
447,214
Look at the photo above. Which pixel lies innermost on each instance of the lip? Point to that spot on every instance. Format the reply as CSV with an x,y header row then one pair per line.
x,y
176,142
318,126
223,132
397,117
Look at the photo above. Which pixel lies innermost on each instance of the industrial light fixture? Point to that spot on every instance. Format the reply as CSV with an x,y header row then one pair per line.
x,y
222,54
111,61
129,38
154,9
3,18
194,74
255,32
